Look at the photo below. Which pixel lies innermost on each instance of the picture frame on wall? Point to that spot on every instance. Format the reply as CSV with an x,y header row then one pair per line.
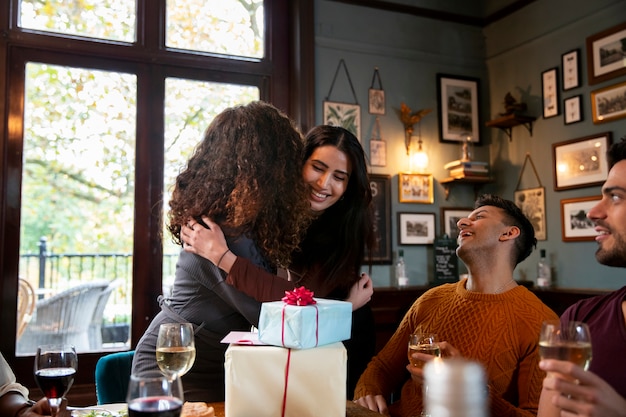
x,y
609,103
449,218
459,112
570,64
532,202
605,59
380,185
573,109
581,162
346,115
378,153
575,225
415,188
550,90
416,228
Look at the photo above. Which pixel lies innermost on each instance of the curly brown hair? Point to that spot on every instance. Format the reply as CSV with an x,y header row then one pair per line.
x,y
246,174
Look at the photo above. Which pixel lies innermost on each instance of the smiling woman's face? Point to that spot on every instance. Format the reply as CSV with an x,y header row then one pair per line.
x,y
326,172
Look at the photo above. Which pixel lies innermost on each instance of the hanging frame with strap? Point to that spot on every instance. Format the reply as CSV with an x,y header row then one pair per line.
x,y
532,201
376,95
378,147
346,115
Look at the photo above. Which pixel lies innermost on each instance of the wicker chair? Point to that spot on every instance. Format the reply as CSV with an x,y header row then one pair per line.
x,y
95,328
26,299
63,318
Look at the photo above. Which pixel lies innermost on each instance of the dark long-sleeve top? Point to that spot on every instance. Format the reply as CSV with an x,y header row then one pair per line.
x,y
201,296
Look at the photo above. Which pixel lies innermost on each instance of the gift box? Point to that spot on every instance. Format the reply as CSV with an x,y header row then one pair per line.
x,y
272,381
304,326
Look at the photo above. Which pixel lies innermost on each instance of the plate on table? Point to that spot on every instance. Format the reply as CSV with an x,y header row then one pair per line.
x,y
103,410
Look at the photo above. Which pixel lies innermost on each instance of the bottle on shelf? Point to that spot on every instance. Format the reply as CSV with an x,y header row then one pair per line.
x,y
402,280
544,274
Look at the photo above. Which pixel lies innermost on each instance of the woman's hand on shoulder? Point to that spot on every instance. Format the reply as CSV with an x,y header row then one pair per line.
x,y
209,243
361,292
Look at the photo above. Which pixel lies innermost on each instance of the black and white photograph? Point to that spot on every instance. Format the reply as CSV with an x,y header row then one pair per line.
x,y
605,54
575,224
376,101
449,218
609,103
532,202
416,228
459,116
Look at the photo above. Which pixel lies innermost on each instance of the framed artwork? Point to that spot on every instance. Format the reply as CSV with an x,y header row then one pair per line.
x,y
532,202
459,116
381,201
550,89
376,101
378,153
573,109
415,188
450,217
345,115
574,222
605,54
581,162
609,103
570,64
416,228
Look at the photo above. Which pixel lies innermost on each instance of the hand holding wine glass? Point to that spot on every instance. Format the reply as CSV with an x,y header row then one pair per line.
x,y
175,349
154,395
423,343
570,342
55,368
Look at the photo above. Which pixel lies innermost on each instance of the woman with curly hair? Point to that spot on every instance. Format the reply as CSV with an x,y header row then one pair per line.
x,y
247,174
334,248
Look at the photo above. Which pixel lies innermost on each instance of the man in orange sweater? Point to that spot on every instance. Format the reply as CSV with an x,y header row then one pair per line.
x,y
486,318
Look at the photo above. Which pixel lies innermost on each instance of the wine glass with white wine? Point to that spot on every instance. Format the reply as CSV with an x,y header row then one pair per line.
x,y
570,342
175,349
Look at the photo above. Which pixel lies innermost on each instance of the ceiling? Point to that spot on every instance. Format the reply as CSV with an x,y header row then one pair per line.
x,y
471,12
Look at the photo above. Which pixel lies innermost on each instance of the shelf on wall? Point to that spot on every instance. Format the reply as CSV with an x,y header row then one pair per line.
x,y
477,182
508,122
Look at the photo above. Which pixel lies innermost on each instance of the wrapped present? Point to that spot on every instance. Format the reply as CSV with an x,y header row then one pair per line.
x,y
272,381
301,321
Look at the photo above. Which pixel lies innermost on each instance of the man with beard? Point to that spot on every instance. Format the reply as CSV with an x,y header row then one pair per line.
x,y
600,391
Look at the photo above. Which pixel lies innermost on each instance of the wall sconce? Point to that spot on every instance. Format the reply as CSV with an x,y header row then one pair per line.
x,y
418,158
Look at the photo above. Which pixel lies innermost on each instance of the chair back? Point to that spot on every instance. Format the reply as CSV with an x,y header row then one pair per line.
x,y
26,300
112,375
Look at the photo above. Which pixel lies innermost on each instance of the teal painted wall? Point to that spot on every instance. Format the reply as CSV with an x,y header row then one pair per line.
x,y
506,56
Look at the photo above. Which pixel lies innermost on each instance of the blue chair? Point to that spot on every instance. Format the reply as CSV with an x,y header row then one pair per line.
x,y
112,375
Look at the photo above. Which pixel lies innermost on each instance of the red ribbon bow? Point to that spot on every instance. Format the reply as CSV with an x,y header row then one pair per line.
x,y
299,297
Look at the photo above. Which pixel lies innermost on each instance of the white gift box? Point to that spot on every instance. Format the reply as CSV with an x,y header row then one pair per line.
x,y
272,381
303,327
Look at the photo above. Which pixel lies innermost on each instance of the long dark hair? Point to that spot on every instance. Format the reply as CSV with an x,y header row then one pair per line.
x,y
339,238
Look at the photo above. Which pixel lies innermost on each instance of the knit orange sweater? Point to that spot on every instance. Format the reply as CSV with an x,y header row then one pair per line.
x,y
500,331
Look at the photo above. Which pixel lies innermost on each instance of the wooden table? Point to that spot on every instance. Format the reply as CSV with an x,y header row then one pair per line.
x,y
352,410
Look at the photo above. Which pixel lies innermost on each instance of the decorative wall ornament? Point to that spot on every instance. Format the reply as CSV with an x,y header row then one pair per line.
x,y
346,115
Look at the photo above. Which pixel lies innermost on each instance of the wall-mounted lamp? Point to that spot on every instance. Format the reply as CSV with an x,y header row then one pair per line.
x,y
418,158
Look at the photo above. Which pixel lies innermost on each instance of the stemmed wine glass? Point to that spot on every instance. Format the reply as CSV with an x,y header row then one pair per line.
x,y
571,342
55,368
154,395
175,349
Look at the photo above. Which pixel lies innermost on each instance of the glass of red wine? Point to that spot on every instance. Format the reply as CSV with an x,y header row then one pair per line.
x,y
55,368
155,395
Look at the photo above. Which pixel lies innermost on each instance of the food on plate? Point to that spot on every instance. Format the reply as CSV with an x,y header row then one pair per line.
x,y
197,409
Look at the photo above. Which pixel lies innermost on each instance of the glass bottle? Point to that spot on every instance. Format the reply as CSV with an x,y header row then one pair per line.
x,y
402,280
544,274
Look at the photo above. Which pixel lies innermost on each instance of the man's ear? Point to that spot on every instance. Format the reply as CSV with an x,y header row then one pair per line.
x,y
511,233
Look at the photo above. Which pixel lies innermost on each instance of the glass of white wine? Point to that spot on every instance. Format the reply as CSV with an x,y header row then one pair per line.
x,y
423,343
570,342
175,349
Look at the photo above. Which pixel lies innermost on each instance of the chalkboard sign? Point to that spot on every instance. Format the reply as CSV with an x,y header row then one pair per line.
x,y
446,261
381,201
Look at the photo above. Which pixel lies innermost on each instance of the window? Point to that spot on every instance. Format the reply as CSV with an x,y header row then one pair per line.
x,y
103,102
